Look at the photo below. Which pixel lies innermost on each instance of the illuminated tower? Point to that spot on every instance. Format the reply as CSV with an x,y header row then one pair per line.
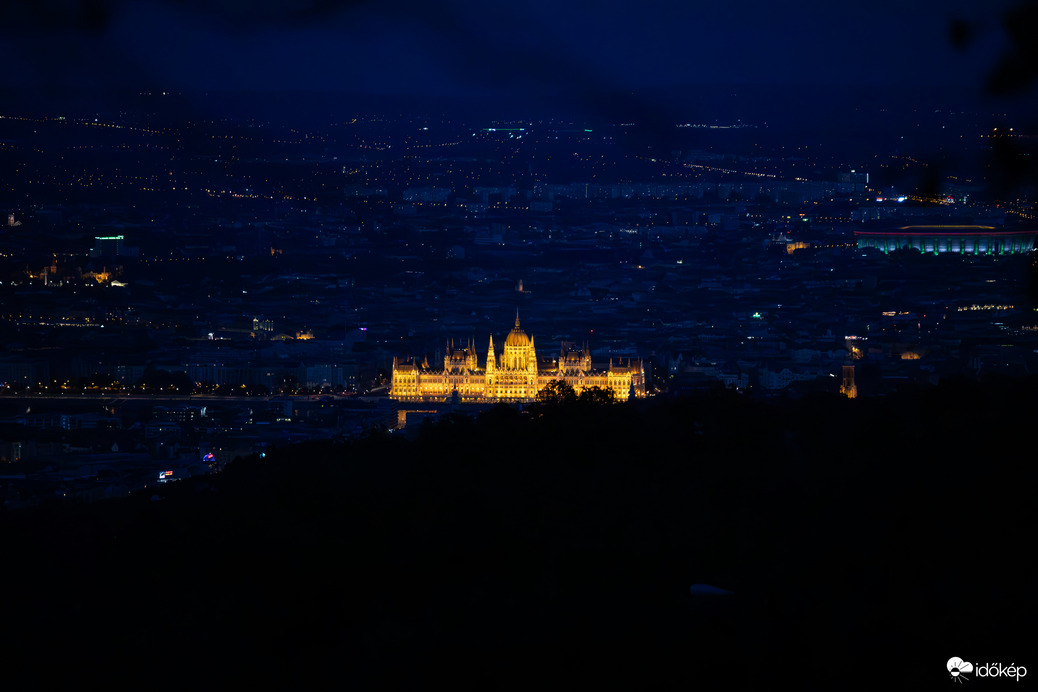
x,y
491,365
848,388
519,351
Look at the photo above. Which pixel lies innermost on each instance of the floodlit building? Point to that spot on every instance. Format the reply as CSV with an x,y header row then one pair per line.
x,y
979,240
514,375
107,246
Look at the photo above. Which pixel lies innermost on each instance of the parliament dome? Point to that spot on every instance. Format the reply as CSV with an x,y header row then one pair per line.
x,y
517,337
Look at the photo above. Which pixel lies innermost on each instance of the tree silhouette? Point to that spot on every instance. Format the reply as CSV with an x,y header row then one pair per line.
x,y
597,396
557,392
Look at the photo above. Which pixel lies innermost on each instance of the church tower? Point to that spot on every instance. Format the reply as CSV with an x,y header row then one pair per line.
x,y
847,387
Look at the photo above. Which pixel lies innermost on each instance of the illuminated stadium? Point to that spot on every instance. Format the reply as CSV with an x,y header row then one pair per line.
x,y
977,240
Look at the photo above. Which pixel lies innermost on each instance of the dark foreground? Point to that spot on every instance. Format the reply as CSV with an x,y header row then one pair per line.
x,y
864,541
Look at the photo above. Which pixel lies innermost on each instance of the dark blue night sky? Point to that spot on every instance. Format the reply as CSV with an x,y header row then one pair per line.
x,y
465,47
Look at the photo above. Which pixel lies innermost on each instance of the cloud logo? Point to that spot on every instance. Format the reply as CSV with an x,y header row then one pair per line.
x,y
957,667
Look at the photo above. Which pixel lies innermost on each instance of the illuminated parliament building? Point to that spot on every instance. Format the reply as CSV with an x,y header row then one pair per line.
x,y
513,376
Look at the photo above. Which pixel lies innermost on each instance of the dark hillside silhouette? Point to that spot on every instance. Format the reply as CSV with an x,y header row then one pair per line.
x,y
499,551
